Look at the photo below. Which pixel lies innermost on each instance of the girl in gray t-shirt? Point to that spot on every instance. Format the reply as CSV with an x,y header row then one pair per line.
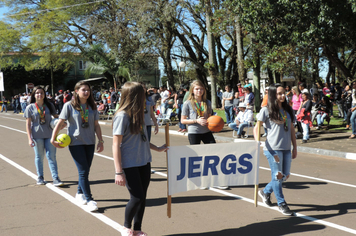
x,y
278,117
38,119
196,110
83,123
132,155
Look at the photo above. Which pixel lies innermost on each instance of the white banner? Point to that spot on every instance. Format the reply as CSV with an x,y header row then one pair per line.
x,y
2,89
209,165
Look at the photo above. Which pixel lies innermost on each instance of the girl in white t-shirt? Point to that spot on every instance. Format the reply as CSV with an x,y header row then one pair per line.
x,y
133,169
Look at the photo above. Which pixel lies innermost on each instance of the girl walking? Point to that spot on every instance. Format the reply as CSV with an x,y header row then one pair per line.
x,y
38,119
82,116
278,117
132,155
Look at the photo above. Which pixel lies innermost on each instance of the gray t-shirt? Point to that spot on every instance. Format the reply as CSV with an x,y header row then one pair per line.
x,y
149,104
38,130
228,103
192,115
277,137
79,135
134,151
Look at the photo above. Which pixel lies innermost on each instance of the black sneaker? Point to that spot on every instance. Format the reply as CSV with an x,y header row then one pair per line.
x,y
266,198
40,181
285,209
304,141
57,182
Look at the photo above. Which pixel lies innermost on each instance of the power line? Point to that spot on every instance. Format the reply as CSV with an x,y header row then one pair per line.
x,y
55,9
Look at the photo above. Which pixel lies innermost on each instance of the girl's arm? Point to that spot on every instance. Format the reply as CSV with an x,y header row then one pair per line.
x,y
158,149
255,129
175,100
116,151
100,146
29,132
56,129
294,142
201,121
153,117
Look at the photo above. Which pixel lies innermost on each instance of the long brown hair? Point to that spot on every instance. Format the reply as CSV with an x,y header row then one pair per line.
x,y
45,100
76,102
203,99
132,102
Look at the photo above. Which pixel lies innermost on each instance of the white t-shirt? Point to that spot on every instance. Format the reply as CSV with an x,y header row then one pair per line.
x,y
164,96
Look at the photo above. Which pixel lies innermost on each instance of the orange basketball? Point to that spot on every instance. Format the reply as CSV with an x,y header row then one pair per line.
x,y
215,123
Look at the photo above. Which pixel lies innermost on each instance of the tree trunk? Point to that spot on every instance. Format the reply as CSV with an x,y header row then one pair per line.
x,y
333,57
212,54
240,52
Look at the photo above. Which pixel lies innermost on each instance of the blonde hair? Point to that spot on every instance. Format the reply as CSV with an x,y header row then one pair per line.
x,y
207,110
132,102
296,89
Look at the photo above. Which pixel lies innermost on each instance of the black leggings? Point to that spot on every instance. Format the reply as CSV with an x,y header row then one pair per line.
x,y
137,181
197,138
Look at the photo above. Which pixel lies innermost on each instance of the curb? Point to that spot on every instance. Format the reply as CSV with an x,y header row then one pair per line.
x,y
318,151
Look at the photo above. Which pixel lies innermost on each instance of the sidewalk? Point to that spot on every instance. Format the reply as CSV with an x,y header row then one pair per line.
x,y
334,143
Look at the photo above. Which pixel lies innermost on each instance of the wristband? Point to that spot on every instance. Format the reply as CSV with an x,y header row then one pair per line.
x,y
101,141
119,173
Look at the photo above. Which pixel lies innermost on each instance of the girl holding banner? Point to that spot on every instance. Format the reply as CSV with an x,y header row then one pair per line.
x,y
132,155
278,117
196,110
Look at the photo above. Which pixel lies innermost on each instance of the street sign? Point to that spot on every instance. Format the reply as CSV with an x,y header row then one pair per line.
x,y
30,85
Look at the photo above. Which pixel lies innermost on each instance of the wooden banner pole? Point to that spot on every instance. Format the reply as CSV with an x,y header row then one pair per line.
x,y
258,139
169,197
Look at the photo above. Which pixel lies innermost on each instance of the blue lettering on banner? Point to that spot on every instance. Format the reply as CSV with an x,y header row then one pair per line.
x,y
228,165
245,163
192,167
211,166
232,169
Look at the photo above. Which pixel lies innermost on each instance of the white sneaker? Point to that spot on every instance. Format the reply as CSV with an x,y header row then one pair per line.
x,y
79,197
92,206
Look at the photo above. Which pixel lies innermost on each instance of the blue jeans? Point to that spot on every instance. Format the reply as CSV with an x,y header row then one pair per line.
x,y
4,107
320,118
83,157
229,115
179,112
23,106
305,131
42,144
238,129
353,122
283,166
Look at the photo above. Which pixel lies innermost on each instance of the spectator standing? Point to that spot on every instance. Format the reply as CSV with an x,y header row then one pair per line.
x,y
4,104
249,97
338,100
353,111
235,103
227,103
241,91
23,102
178,99
297,100
164,99
247,84
304,116
347,103
114,98
60,100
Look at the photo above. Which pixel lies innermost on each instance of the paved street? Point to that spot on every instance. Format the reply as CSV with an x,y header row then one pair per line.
x,y
321,191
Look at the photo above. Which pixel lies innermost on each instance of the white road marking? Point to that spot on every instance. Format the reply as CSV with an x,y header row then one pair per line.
x,y
116,225
65,195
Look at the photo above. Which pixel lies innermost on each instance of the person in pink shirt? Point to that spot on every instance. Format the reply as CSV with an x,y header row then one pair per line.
x,y
297,100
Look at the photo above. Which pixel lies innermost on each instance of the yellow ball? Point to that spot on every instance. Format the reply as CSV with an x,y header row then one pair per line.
x,y
64,139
